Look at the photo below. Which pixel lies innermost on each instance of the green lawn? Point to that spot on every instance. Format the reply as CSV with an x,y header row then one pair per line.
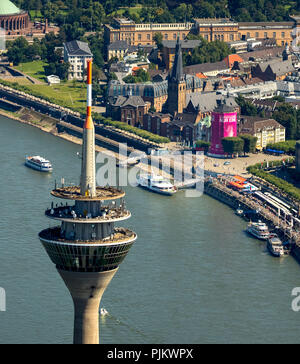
x,y
133,10
66,94
34,69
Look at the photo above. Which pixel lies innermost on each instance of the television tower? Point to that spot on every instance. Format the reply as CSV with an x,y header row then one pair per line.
x,y
86,247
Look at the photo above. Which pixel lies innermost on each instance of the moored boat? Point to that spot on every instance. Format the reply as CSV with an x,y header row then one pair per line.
x,y
38,163
157,184
275,246
258,229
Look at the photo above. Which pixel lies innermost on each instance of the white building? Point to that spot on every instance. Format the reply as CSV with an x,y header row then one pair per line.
x,y
77,53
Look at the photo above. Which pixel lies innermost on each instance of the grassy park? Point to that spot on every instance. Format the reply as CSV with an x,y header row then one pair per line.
x,y
71,94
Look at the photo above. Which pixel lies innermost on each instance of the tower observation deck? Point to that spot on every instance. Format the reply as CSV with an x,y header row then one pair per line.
x,y
86,247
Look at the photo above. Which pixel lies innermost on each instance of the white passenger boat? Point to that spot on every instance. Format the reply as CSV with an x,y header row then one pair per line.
x,y
157,184
38,163
275,246
258,229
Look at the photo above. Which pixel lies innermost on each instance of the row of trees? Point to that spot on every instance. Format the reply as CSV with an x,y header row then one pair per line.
x,y
243,144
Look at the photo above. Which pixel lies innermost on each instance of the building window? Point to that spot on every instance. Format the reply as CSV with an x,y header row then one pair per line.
x,y
174,36
248,35
282,34
274,35
166,36
139,36
231,37
256,35
148,36
265,35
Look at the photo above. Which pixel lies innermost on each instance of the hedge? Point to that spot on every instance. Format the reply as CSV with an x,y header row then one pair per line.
x,y
289,146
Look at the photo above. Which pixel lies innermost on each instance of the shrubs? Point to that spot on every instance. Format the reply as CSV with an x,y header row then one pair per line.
x,y
131,129
201,144
288,146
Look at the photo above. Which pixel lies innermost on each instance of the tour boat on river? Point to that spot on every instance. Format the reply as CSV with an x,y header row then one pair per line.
x,y
258,229
157,184
38,163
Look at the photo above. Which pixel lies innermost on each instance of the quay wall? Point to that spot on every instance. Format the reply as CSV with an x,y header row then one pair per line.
x,y
61,113
235,200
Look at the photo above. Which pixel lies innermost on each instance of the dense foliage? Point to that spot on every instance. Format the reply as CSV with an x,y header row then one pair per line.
x,y
249,143
288,146
207,52
92,13
233,145
141,76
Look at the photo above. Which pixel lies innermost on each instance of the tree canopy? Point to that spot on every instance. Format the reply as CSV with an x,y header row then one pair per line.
x,y
91,14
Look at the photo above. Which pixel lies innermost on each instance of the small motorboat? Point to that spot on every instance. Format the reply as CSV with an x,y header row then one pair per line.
x,y
103,312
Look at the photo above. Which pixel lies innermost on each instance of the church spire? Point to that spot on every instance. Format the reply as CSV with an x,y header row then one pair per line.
x,y
177,70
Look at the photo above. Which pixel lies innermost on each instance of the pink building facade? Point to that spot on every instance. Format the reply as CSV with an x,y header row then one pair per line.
x,y
223,124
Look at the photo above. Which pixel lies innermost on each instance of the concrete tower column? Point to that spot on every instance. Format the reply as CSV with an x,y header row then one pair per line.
x,y
86,290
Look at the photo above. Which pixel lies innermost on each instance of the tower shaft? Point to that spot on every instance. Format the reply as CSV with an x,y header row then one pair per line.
x,y
86,290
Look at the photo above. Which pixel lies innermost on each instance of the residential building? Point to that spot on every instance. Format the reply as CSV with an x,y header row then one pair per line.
x,y
273,70
77,53
181,127
266,130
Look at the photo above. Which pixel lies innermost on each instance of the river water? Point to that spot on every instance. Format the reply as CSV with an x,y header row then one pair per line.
x,y
193,276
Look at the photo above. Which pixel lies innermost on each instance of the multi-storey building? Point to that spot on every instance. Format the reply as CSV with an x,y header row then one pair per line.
x,y
225,30
143,34
281,31
266,130
77,54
